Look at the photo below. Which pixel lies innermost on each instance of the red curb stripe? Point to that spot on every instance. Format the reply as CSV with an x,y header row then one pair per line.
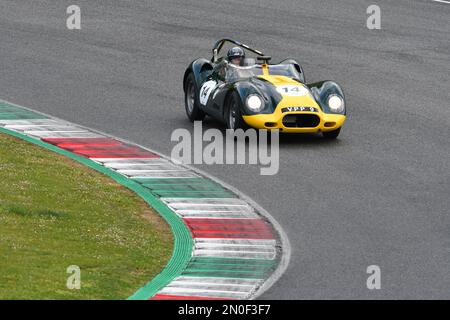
x,y
120,156
108,149
230,224
175,297
252,222
232,236
230,228
100,148
225,231
81,145
75,145
114,154
225,220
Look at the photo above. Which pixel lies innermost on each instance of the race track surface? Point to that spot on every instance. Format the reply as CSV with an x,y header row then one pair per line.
x,y
379,195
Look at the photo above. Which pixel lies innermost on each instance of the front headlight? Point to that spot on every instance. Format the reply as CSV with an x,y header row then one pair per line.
x,y
254,102
336,103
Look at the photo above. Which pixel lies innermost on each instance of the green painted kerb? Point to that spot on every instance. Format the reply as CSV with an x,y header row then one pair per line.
x,y
183,241
11,112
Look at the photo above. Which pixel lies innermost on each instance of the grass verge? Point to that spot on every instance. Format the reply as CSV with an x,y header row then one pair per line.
x,y
55,213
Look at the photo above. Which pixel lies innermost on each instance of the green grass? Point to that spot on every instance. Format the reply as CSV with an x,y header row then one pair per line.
x,y
55,213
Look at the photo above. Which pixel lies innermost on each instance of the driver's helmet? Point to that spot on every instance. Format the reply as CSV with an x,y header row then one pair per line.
x,y
236,55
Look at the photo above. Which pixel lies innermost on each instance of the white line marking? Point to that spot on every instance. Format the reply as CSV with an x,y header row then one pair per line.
x,y
163,169
138,166
50,127
166,174
207,284
204,292
201,214
271,242
65,134
138,161
234,254
35,132
442,1
216,201
31,122
245,281
211,287
234,246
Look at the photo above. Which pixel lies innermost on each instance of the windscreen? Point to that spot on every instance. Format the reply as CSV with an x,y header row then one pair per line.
x,y
237,72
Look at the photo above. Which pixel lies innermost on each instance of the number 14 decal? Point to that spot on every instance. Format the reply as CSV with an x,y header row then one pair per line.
x,y
292,90
206,90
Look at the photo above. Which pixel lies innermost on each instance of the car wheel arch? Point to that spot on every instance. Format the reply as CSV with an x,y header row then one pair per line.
x,y
197,67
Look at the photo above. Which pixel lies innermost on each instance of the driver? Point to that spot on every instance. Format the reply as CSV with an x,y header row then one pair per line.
x,y
236,56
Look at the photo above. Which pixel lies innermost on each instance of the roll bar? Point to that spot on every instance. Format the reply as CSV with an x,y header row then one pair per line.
x,y
219,44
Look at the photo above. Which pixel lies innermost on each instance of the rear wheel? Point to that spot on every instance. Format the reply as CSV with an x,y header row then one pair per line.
x,y
191,101
331,134
233,113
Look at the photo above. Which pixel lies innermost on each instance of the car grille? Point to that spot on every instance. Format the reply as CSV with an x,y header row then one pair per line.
x,y
301,121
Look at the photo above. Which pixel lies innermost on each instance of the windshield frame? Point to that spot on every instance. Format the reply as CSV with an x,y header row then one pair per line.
x,y
234,72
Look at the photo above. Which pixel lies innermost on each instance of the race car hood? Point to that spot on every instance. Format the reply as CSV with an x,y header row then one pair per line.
x,y
278,92
293,93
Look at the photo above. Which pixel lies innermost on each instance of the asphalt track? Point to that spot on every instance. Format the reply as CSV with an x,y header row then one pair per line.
x,y
379,195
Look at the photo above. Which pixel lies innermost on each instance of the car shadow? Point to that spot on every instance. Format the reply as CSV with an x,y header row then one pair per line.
x,y
285,138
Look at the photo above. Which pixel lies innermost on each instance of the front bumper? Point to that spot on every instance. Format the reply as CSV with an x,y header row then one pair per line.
x,y
325,122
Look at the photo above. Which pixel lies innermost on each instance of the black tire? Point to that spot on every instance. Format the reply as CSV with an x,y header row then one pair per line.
x,y
234,111
331,134
191,100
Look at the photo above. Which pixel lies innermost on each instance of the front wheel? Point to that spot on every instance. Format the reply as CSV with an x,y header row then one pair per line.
x,y
331,134
191,101
233,113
